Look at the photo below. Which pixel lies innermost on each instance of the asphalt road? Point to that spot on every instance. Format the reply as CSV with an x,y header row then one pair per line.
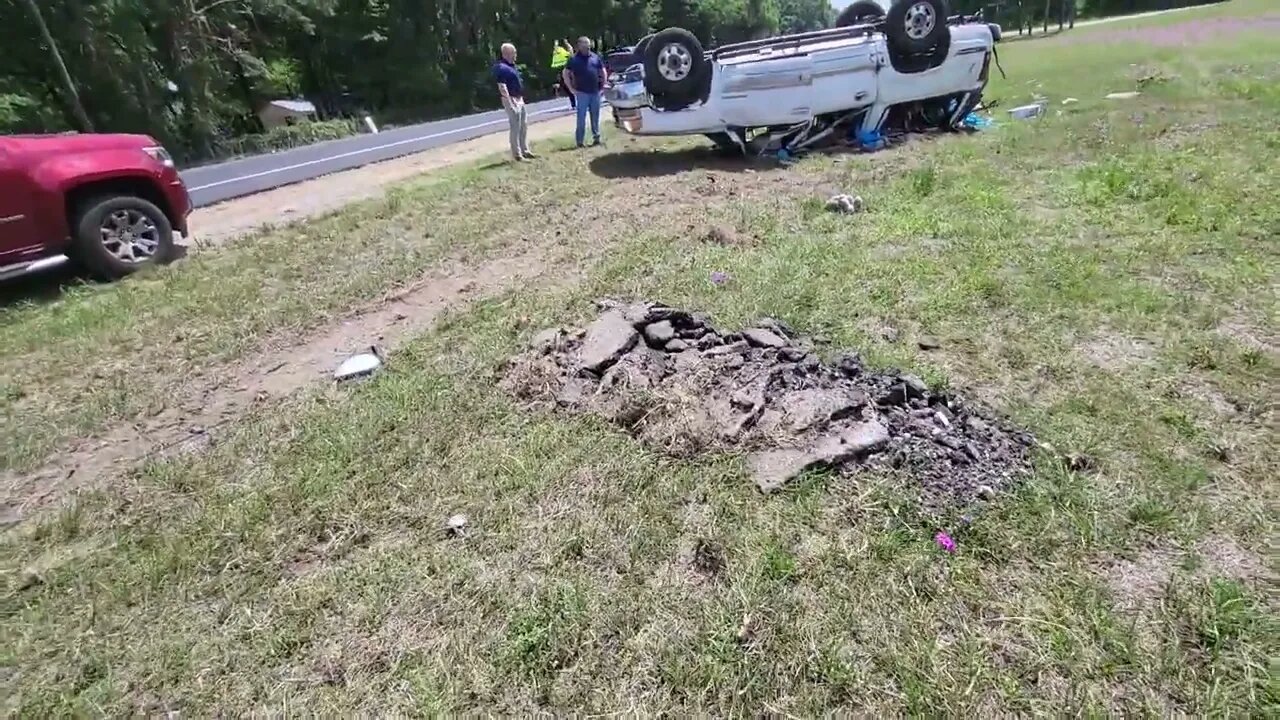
x,y
210,184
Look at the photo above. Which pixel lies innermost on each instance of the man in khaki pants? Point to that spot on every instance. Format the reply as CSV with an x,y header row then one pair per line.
x,y
511,90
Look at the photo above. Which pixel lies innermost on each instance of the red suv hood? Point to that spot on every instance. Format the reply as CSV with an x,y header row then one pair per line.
x,y
76,142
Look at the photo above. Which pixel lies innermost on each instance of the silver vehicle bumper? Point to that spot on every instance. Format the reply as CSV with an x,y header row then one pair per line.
x,y
627,96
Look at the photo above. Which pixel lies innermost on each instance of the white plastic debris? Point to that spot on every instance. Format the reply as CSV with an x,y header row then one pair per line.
x,y
1027,112
1128,95
1069,101
456,524
359,366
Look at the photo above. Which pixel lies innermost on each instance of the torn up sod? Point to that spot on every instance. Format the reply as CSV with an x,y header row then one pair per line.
x,y
685,387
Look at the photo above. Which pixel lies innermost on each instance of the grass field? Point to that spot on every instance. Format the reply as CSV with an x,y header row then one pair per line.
x,y
1106,276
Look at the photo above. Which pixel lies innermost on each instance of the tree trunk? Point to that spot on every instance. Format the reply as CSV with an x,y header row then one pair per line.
x,y
1046,17
68,85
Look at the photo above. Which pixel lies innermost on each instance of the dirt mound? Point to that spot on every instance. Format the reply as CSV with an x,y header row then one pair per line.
x,y
683,386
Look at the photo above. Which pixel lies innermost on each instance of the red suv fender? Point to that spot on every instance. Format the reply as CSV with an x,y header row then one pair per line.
x,y
71,179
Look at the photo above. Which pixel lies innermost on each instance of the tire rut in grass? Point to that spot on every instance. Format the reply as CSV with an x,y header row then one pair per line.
x,y
221,395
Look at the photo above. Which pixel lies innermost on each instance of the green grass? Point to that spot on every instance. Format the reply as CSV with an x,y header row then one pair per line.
x,y
1105,275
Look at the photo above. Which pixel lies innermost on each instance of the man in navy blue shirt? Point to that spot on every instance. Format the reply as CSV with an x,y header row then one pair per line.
x,y
511,90
585,76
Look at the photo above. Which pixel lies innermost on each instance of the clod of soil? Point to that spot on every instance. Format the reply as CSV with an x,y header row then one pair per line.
x,y
681,385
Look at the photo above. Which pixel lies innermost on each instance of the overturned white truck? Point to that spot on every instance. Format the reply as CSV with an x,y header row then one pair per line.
x,y
796,90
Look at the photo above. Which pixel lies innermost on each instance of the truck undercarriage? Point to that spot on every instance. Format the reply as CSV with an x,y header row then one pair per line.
x,y
794,92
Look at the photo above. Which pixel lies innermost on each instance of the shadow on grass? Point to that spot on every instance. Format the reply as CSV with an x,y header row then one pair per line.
x,y
47,286
656,163
42,287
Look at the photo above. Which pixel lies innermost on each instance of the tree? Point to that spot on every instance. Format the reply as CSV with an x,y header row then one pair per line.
x,y
55,56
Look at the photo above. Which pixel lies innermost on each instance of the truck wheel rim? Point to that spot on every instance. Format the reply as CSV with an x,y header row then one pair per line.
x,y
920,20
130,236
674,62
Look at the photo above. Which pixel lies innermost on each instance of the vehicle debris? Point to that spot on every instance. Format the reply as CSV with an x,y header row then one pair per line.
x,y
975,122
456,525
359,366
1127,95
871,141
1027,112
685,387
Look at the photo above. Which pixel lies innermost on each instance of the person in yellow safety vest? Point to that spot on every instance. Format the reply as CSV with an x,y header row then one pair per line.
x,y
560,55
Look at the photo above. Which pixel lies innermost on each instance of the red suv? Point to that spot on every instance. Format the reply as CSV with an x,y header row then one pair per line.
x,y
110,203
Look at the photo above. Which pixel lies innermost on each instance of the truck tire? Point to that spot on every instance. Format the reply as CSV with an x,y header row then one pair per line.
x,y
640,47
916,26
674,66
117,235
860,12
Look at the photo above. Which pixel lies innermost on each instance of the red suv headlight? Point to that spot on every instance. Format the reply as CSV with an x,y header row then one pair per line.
x,y
160,155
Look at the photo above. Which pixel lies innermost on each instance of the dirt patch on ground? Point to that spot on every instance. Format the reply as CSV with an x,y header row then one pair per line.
x,y
219,395
685,387
1141,582
1114,351
216,224
1254,335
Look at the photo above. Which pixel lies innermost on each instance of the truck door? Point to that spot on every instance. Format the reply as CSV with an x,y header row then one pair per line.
x,y
18,240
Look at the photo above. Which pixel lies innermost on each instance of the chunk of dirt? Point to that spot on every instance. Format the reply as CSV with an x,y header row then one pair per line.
x,y
727,236
763,392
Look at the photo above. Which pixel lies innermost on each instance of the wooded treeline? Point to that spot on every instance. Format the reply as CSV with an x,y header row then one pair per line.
x,y
192,72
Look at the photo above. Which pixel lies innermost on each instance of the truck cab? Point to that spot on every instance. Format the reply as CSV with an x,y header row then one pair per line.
x,y
109,202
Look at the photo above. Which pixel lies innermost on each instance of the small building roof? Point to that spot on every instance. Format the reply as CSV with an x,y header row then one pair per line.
x,y
297,106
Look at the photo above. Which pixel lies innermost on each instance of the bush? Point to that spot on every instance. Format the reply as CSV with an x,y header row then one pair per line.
x,y
288,136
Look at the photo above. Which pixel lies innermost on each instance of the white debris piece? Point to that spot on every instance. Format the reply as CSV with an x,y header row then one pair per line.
x,y
456,524
358,366
1123,95
1027,112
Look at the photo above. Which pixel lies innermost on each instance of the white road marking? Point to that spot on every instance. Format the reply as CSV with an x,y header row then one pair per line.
x,y
353,153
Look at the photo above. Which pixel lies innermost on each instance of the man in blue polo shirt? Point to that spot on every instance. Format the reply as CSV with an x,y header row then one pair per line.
x,y
511,90
585,76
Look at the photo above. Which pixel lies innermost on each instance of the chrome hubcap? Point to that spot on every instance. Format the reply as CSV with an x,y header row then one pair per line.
x,y
130,236
920,21
674,62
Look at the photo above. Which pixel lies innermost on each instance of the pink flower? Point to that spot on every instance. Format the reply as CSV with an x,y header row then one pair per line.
x,y
945,542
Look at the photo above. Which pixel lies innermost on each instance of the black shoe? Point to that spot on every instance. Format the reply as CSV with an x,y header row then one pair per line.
x,y
596,143
580,146
530,156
